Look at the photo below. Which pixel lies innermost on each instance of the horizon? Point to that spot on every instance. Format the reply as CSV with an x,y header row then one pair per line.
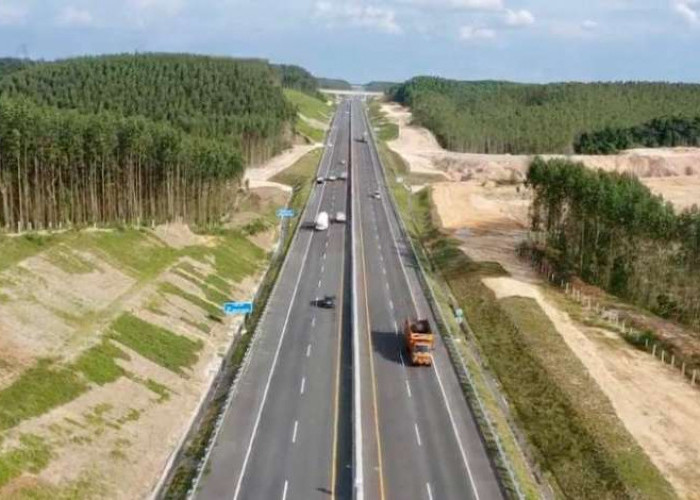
x,y
529,41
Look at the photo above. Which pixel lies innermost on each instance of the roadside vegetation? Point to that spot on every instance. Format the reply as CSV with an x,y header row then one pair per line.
x,y
668,132
612,232
333,84
504,117
574,438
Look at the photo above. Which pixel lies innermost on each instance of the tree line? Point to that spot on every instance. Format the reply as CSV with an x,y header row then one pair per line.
x,y
239,100
62,167
506,117
609,229
297,78
660,132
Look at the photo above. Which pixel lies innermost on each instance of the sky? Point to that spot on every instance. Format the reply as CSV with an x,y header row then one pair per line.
x,y
364,40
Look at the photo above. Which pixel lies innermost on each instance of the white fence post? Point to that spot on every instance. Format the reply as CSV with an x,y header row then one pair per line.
x,y
653,351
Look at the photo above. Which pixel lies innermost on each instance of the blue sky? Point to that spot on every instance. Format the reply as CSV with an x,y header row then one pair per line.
x,y
362,40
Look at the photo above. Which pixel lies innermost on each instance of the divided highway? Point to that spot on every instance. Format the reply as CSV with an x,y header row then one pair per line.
x,y
285,433
419,436
326,405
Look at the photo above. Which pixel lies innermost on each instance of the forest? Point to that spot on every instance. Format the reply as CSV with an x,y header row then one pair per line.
x,y
69,168
610,230
660,132
297,78
333,84
513,118
136,138
239,100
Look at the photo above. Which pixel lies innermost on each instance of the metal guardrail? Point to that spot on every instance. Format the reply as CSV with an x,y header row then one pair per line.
x,y
458,362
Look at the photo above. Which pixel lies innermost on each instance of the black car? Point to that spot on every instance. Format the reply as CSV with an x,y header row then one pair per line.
x,y
327,302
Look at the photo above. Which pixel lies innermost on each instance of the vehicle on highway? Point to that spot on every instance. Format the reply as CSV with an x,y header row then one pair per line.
x,y
343,162
321,222
377,195
340,217
319,180
333,178
327,302
419,341
344,176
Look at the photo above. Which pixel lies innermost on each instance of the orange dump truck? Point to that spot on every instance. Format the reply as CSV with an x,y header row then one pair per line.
x,y
419,341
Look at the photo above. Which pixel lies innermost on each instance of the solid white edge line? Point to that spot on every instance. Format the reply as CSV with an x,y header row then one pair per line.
x,y
304,261
415,305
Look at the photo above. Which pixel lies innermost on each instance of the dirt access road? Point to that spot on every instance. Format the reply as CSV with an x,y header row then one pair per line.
x,y
656,405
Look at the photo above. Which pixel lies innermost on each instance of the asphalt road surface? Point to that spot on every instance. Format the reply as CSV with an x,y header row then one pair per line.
x,y
420,438
326,405
285,434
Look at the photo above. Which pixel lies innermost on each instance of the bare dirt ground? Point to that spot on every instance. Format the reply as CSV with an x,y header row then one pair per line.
x,y
425,155
656,405
276,165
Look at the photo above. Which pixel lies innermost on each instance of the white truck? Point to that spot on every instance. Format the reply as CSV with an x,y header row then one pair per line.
x,y
321,223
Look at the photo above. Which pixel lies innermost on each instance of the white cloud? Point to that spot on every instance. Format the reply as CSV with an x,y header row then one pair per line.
x,y
475,33
458,4
688,10
518,18
11,13
380,18
589,25
166,7
73,16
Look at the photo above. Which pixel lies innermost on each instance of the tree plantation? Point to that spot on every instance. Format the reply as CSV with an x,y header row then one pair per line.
x,y
240,100
610,230
503,117
660,132
63,167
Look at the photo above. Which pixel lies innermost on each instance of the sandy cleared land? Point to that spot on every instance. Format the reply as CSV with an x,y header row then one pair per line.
x,y
258,176
656,405
423,153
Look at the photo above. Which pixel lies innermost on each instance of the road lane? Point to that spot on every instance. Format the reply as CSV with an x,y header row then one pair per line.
x,y
279,434
426,427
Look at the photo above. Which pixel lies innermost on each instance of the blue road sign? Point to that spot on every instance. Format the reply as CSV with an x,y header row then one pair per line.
x,y
285,212
232,308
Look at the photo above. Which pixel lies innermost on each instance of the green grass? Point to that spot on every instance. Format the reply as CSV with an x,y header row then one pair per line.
x,y
162,391
98,363
38,390
312,133
590,410
310,106
68,261
235,256
215,313
161,346
32,455
385,130
133,251
17,248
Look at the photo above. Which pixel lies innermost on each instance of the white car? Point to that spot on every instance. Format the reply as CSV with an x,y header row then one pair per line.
x,y
342,162
377,195
319,180
344,176
333,178
340,217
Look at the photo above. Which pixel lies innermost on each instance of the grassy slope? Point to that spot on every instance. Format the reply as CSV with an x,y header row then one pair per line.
x,y
579,442
51,383
309,107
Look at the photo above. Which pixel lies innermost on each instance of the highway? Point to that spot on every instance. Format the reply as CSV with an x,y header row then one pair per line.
x,y
420,440
286,433
325,405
